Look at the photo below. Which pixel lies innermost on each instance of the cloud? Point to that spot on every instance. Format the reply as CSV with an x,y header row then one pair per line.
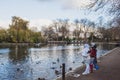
x,y
4,24
73,3
38,23
78,4
45,0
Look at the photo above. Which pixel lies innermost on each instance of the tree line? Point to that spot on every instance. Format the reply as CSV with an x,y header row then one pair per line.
x,y
59,30
19,32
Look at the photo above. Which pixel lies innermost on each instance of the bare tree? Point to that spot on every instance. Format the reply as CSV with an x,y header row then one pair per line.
x,y
48,33
92,24
64,28
56,25
78,30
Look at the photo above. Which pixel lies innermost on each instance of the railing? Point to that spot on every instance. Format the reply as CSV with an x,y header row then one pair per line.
x,y
64,42
57,42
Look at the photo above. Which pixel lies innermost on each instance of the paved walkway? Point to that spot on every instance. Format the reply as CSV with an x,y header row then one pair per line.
x,y
109,68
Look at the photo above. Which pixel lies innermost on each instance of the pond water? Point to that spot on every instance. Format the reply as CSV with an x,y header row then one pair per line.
x,y
31,63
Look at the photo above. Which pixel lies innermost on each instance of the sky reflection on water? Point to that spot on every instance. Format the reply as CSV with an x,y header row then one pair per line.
x,y
30,63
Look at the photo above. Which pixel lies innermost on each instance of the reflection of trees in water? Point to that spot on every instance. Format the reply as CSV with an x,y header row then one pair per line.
x,y
64,55
18,53
106,46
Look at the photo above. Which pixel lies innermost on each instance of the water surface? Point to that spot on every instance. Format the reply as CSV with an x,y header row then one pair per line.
x,y
31,63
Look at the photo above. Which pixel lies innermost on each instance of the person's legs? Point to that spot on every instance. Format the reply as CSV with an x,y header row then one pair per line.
x,y
91,64
91,68
95,64
87,69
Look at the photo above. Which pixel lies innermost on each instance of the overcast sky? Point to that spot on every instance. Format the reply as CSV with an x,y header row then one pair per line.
x,y
42,12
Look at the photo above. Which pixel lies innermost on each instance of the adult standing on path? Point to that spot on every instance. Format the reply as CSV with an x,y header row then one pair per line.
x,y
86,59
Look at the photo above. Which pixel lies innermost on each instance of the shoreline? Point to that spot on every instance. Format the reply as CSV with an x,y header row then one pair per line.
x,y
79,70
44,43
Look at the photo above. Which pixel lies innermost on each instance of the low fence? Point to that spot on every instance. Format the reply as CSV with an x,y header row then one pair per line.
x,y
64,42
57,42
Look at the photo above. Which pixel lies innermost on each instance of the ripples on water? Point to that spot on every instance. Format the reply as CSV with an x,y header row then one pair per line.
x,y
30,63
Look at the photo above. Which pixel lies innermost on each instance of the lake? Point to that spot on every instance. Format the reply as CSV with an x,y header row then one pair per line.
x,y
31,63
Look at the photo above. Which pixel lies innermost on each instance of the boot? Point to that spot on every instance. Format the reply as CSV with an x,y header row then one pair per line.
x,y
91,68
